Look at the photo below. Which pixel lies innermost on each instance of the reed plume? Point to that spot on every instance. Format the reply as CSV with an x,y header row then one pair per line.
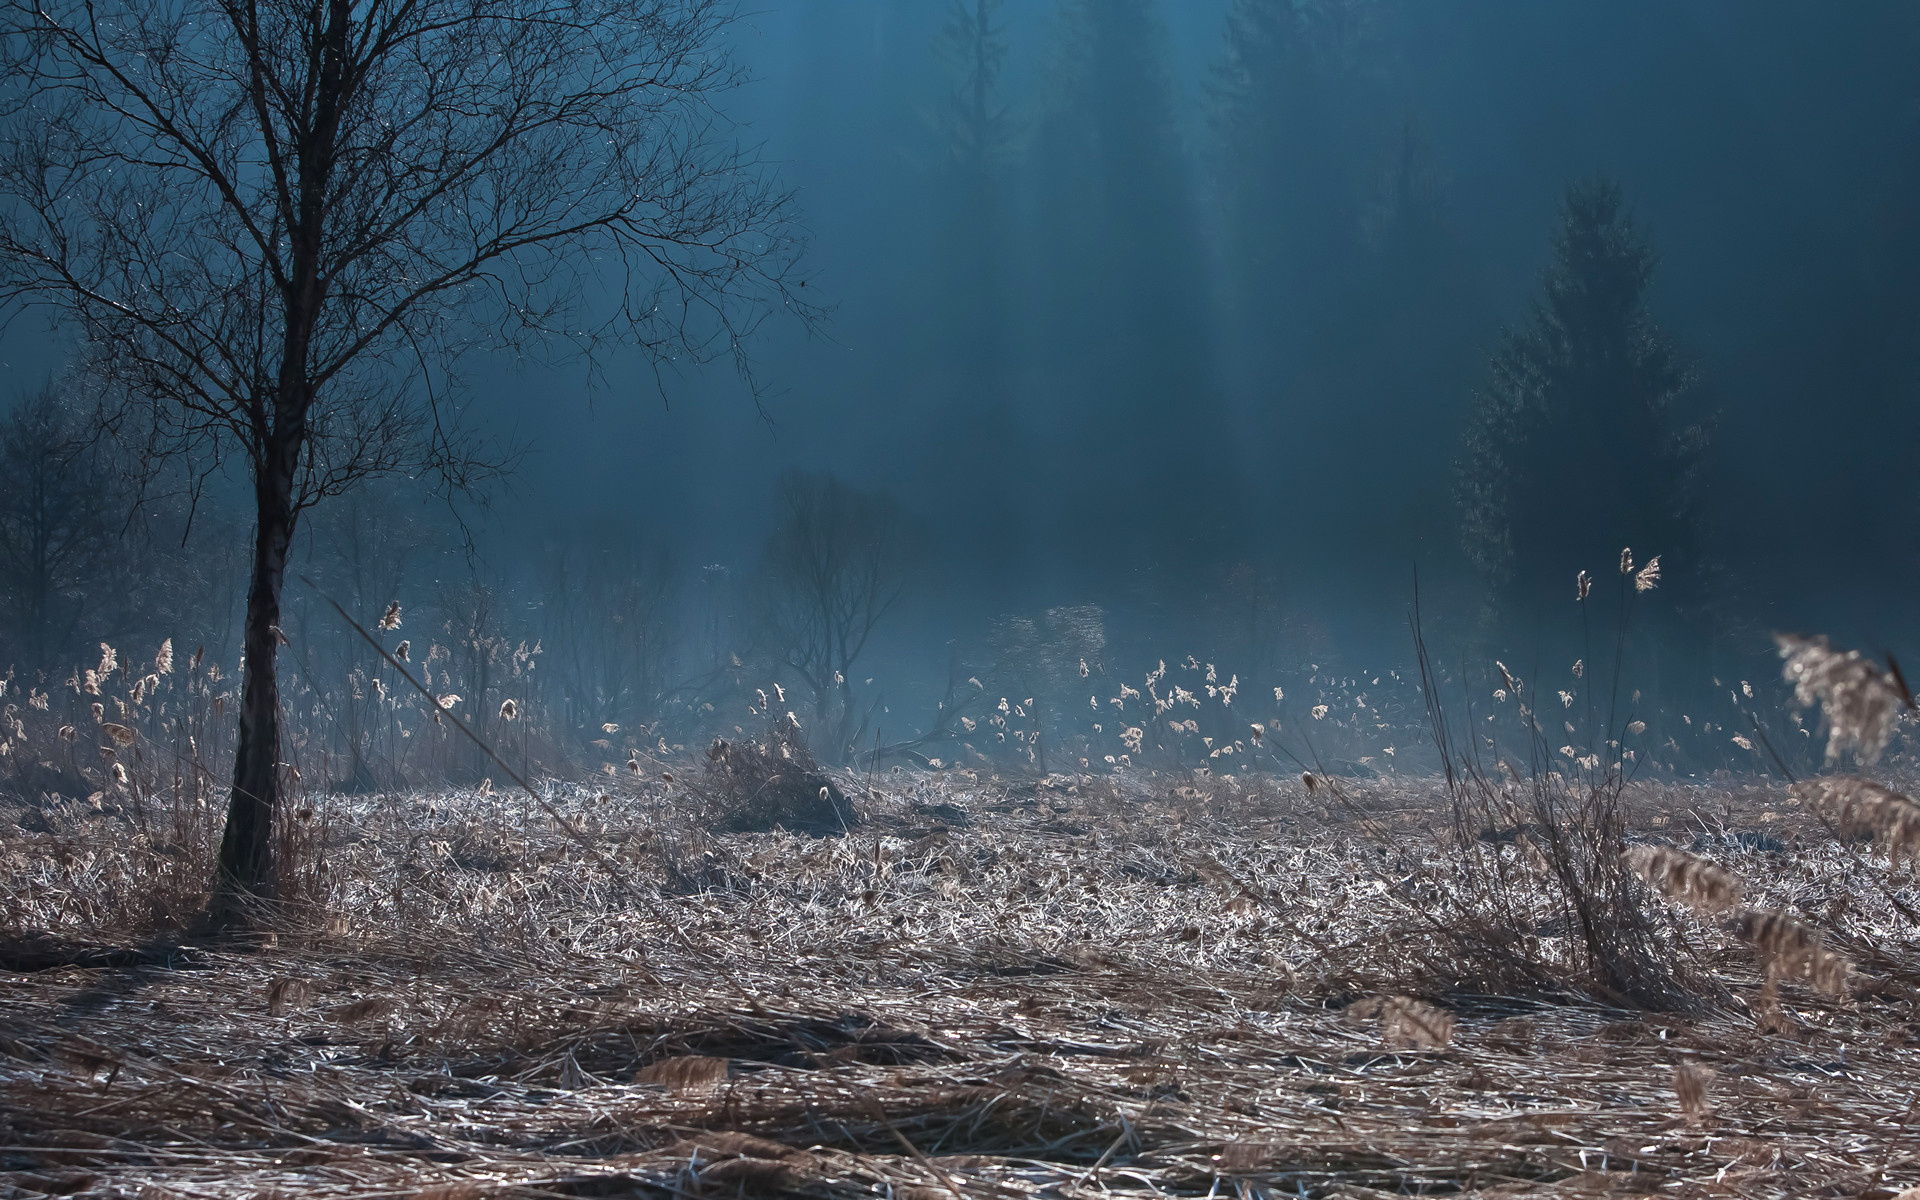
x,y
1691,1083
1858,806
1687,878
1860,702
1792,949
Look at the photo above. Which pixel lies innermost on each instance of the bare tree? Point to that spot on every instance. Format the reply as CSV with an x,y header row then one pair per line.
x,y
833,567
278,224
611,620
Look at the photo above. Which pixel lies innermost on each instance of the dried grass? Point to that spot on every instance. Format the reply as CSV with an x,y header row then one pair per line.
x,y
1048,976
759,786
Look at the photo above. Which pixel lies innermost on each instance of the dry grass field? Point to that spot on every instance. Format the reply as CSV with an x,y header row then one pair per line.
x,y
1071,986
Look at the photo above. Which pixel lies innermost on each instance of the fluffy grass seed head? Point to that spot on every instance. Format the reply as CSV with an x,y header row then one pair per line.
x,y
1648,577
1689,879
1860,806
1858,700
1691,1085
1791,949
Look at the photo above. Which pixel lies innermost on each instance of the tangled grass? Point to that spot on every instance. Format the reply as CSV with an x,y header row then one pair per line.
x,y
750,975
1193,985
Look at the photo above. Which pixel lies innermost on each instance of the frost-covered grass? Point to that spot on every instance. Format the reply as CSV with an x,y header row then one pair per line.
x,y
1187,983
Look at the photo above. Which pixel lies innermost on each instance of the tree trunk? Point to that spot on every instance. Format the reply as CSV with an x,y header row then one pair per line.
x,y
244,878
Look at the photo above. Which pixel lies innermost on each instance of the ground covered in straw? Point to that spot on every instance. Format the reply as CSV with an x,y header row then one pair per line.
x,y
1064,987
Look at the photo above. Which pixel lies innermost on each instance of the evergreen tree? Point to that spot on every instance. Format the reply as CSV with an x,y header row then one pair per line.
x,y
1294,126
969,318
1586,437
1122,332
973,129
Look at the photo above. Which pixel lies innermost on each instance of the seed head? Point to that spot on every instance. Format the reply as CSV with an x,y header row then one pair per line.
x,y
1697,882
1649,576
1859,702
1691,1082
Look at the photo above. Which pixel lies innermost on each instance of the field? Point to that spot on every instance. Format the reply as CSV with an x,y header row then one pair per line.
x,y
1071,986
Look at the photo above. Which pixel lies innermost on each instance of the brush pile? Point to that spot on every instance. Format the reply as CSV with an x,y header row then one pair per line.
x,y
760,786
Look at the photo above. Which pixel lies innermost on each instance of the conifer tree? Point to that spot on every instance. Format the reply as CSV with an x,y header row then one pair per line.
x,y
1586,437
1123,327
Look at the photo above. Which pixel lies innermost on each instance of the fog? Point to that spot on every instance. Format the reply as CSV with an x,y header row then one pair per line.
x,y
1193,325
1768,152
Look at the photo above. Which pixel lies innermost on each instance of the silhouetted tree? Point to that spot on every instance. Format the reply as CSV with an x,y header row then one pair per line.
x,y
610,624
1293,128
970,313
974,129
279,224
834,566
1587,436
61,516
1122,338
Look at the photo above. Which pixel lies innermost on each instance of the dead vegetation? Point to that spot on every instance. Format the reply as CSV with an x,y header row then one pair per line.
x,y
750,975
758,786
1064,986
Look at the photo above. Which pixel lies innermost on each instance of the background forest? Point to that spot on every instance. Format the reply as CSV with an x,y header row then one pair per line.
x,y
1152,332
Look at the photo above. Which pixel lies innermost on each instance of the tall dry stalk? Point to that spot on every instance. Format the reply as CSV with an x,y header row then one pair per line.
x,y
1541,895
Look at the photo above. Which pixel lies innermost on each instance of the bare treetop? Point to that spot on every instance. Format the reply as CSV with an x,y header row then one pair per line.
x,y
425,177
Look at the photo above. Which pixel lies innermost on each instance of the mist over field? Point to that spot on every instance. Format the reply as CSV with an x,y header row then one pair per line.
x,y
1186,312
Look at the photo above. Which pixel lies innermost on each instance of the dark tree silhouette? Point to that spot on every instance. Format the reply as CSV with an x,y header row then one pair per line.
x,y
1294,122
60,521
1585,438
834,565
610,620
280,224
973,124
1122,336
